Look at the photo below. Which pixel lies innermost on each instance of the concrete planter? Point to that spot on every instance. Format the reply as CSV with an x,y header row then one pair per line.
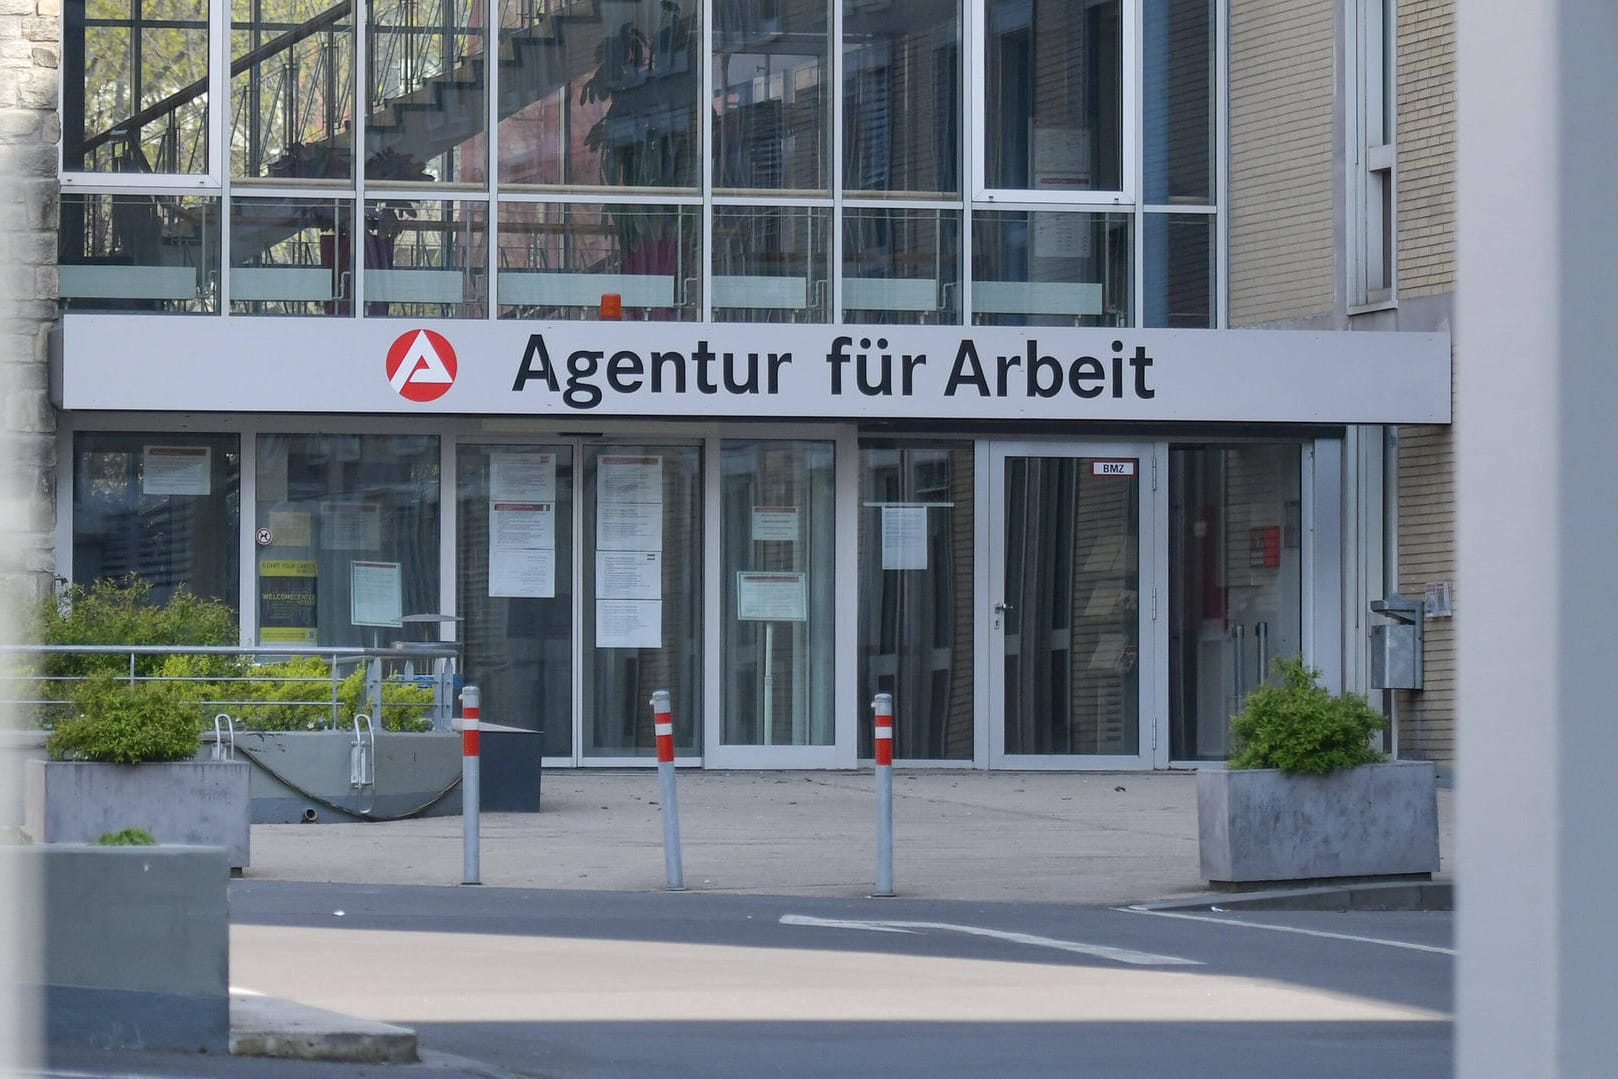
x,y
195,802
136,945
310,775
1377,820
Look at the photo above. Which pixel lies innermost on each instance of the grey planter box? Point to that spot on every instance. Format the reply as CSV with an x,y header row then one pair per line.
x,y
299,773
1378,820
136,945
203,803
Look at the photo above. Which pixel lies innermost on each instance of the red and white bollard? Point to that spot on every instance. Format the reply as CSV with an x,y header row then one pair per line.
x,y
883,730
469,785
663,727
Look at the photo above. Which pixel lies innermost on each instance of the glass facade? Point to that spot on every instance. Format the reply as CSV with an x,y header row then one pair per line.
x,y
828,180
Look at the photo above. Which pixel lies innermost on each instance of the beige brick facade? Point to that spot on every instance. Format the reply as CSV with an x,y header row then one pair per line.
x,y
1426,134
1282,248
29,131
1426,185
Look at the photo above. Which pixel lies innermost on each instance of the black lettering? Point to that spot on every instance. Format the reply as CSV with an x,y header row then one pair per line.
x,y
673,359
580,367
527,370
882,387
623,367
1086,369
702,358
837,357
1140,362
1006,364
777,361
1038,364
967,368
732,385
910,365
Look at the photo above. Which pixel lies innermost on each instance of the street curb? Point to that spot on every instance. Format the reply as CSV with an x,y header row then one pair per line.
x,y
263,1026
1390,896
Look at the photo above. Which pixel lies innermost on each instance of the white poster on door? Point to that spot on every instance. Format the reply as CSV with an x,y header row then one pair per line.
x,y
629,575
375,594
771,597
775,523
175,470
629,623
622,478
522,477
350,526
525,573
522,526
904,537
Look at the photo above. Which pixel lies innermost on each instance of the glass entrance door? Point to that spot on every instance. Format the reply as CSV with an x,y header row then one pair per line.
x,y
1067,623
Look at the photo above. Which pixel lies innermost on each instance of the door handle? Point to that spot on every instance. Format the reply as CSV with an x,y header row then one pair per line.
x,y
1002,608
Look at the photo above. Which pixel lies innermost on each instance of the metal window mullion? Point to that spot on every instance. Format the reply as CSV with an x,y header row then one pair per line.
x,y
705,130
1222,169
491,164
969,182
1134,157
361,97
834,65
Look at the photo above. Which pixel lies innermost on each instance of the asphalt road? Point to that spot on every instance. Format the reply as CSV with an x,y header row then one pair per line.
x,y
516,982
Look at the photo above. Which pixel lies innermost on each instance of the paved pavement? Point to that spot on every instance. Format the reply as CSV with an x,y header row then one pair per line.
x,y
1091,839
1026,837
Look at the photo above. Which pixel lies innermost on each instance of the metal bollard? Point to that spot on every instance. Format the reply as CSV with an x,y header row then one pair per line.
x,y
663,725
883,730
469,785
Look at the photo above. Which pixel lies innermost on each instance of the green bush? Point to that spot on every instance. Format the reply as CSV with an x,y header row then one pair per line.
x,y
114,720
1297,726
129,837
120,611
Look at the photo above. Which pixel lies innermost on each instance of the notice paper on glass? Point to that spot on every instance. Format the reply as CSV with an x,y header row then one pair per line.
x,y
289,528
629,623
775,523
771,597
629,575
629,479
351,526
522,526
175,470
526,573
522,477
904,537
375,594
629,526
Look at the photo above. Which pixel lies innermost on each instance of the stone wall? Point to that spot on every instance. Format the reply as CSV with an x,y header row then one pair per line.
x,y
29,133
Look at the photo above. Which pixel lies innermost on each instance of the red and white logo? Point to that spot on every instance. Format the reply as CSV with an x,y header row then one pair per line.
x,y
421,365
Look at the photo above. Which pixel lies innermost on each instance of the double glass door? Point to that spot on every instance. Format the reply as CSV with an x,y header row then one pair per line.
x,y
1069,620
591,551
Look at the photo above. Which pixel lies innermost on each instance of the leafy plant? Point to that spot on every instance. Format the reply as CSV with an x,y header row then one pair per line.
x,y
129,837
125,723
1298,726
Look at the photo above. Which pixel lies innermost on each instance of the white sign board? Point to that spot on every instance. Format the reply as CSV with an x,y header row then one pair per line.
x,y
717,370
904,537
775,523
522,477
375,594
175,470
771,597
629,623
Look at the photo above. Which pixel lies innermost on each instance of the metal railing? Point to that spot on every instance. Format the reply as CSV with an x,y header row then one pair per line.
x,y
254,685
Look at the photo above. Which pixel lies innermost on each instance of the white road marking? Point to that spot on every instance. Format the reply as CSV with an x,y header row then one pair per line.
x,y
1291,929
1099,951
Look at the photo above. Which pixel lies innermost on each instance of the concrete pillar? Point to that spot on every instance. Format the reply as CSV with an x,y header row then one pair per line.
x,y
1537,439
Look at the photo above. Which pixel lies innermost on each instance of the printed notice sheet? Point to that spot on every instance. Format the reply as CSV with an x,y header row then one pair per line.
x,y
528,573
629,551
629,623
175,470
904,537
375,593
775,523
351,526
522,477
771,597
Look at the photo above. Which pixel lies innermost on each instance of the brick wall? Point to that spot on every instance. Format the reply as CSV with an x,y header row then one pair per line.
x,y
1282,195
1426,134
29,131
1426,143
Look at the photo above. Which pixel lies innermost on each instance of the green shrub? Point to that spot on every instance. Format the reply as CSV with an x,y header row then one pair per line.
x,y
1297,726
113,720
129,837
120,611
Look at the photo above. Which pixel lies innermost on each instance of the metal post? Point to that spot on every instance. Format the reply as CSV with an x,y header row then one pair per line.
x,y
883,729
663,725
469,785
